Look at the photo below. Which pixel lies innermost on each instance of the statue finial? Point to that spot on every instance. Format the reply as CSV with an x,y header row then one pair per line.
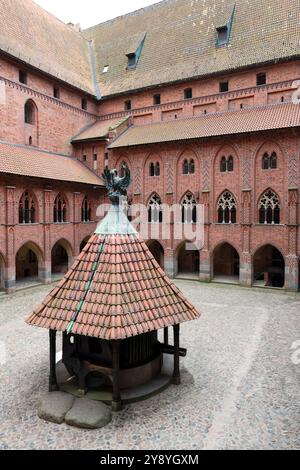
x,y
116,185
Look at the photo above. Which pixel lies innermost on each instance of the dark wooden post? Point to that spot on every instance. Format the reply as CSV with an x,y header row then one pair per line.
x,y
116,397
176,373
52,351
166,335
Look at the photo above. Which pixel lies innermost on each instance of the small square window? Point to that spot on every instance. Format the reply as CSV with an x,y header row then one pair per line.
x,y
188,93
84,158
56,92
222,33
127,105
224,86
261,79
156,99
84,104
105,69
22,77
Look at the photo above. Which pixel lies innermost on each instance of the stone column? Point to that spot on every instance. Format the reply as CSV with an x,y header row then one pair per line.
x,y
48,206
10,270
292,260
205,255
170,263
245,259
76,222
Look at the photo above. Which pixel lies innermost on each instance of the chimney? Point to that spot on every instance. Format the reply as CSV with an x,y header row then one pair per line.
x,y
76,26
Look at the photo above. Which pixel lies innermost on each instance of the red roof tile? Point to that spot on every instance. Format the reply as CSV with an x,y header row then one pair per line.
x,y
111,306
29,161
99,130
256,119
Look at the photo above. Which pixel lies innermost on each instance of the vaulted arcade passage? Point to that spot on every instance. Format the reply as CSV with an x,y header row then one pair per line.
x,y
268,267
226,263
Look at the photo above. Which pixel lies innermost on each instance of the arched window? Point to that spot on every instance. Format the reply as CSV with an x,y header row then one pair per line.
x,y
265,162
230,163
59,209
26,209
86,211
188,167
157,169
185,167
29,113
192,166
223,165
227,209
269,162
269,208
152,169
122,169
273,161
155,209
189,209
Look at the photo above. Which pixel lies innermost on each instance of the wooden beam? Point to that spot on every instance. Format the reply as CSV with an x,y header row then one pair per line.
x,y
116,397
176,373
168,349
166,335
53,386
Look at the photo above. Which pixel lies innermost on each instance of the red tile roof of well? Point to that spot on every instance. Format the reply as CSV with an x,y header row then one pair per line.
x,y
232,122
117,290
29,161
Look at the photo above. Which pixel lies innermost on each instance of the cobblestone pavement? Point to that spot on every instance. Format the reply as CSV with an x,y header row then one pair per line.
x,y
240,387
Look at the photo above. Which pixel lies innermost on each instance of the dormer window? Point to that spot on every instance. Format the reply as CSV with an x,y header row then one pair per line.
x,y
131,60
135,49
222,35
224,30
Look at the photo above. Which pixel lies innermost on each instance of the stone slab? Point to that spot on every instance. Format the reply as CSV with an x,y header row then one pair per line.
x,y
88,414
54,407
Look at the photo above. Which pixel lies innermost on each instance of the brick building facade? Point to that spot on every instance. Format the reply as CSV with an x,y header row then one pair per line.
x,y
201,108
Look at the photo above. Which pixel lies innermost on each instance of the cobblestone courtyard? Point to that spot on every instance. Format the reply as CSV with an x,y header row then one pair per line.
x,y
240,387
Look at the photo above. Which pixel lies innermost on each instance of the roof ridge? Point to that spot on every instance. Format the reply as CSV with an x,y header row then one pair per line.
x,y
58,19
137,11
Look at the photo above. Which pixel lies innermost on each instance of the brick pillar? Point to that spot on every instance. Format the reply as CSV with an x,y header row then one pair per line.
x,y
170,262
76,222
245,259
48,218
10,271
205,255
292,260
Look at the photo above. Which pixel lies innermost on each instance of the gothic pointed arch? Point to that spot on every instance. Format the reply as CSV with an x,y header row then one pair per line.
x,y
226,208
269,208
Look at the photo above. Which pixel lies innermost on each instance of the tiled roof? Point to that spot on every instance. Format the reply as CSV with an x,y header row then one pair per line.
x,y
180,40
34,36
98,130
114,290
29,161
232,122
